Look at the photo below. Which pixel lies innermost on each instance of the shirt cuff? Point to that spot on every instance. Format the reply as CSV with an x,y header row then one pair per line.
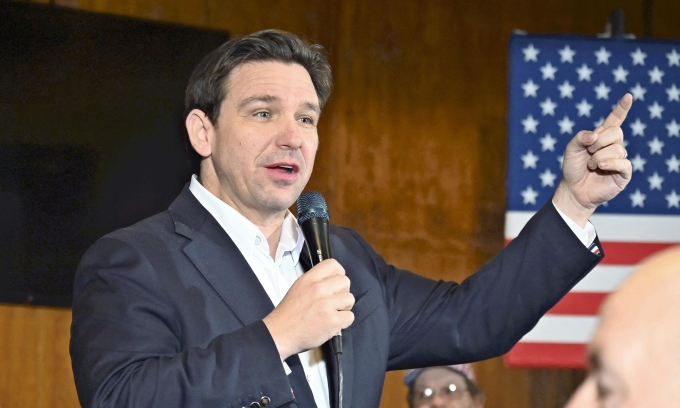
x,y
286,368
585,235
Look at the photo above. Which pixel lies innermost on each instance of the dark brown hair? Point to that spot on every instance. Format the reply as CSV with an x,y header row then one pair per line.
x,y
208,83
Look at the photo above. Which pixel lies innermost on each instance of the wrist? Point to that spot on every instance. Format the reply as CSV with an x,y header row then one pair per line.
x,y
278,337
566,202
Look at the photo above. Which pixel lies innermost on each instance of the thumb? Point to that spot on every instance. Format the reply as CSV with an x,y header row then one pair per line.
x,y
583,140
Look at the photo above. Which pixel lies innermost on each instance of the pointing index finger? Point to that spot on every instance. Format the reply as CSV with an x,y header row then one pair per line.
x,y
618,115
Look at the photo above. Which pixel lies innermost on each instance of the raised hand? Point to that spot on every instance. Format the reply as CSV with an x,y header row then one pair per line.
x,y
316,308
595,168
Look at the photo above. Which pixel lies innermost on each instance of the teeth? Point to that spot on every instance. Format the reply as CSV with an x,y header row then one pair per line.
x,y
288,169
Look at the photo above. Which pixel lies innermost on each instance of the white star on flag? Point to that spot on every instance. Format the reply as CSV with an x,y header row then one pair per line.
x,y
655,146
581,79
602,91
602,56
584,73
548,107
673,164
655,75
673,93
547,142
638,92
529,195
530,124
566,125
673,129
655,181
638,57
637,127
620,74
673,199
566,89
655,110
567,54
637,199
530,53
530,88
547,178
673,58
548,71
529,160
638,163
584,108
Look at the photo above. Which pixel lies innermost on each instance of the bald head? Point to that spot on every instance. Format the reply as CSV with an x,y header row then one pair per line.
x,y
635,354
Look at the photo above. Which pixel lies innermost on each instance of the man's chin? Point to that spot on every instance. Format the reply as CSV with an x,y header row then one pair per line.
x,y
279,203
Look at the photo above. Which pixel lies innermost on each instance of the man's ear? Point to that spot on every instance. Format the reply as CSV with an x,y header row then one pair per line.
x,y
480,400
200,131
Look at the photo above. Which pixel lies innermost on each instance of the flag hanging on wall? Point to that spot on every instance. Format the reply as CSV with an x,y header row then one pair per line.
x,y
559,85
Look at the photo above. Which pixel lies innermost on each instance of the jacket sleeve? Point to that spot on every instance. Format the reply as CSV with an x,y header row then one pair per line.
x,y
126,343
435,322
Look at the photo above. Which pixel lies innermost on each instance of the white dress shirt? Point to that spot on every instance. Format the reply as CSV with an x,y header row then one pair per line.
x,y
275,275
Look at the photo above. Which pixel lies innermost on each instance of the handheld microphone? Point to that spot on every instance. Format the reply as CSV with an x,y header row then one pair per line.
x,y
314,221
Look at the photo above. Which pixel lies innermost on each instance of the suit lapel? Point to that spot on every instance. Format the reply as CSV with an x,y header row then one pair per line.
x,y
219,261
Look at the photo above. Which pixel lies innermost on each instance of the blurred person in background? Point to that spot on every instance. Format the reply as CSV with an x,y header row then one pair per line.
x,y
451,386
635,354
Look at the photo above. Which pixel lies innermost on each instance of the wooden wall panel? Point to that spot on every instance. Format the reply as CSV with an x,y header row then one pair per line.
x,y
412,148
35,366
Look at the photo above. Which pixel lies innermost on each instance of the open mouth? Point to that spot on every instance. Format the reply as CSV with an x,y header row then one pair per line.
x,y
285,168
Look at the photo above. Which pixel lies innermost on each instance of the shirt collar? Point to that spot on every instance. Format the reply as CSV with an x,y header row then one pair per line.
x,y
241,230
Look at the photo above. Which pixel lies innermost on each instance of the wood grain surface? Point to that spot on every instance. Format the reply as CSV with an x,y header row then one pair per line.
x,y
412,150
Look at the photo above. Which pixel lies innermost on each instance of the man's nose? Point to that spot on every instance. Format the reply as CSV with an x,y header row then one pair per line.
x,y
440,402
289,135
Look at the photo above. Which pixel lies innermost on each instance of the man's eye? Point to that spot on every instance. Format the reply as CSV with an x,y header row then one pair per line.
x,y
263,115
306,120
602,391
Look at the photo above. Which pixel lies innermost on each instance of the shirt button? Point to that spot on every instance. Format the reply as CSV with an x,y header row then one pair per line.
x,y
257,240
264,401
254,405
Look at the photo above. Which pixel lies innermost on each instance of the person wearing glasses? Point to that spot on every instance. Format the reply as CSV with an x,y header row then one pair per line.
x,y
451,386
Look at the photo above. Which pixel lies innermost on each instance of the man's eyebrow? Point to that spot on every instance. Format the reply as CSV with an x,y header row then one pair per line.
x,y
271,98
313,106
257,98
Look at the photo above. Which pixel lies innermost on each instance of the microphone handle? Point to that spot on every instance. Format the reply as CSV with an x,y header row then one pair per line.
x,y
316,231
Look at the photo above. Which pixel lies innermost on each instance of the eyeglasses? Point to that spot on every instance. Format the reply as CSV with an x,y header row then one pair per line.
x,y
450,392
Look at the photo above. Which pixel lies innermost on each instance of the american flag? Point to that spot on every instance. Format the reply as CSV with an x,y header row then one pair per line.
x,y
558,86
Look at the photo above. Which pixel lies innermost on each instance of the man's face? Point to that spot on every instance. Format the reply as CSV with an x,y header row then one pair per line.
x,y
440,387
629,361
265,141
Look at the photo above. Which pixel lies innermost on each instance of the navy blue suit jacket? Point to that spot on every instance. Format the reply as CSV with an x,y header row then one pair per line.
x,y
167,313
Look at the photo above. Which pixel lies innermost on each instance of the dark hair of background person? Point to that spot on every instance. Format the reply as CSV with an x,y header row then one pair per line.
x,y
207,90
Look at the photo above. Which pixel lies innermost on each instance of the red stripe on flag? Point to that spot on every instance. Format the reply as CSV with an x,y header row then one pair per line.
x,y
627,253
579,303
630,253
548,355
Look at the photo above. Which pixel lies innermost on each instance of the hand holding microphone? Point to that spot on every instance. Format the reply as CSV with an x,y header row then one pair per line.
x,y
318,305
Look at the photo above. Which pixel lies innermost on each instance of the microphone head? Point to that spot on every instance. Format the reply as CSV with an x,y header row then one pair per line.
x,y
311,205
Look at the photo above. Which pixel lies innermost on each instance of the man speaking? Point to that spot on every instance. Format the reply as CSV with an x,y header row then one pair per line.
x,y
215,303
